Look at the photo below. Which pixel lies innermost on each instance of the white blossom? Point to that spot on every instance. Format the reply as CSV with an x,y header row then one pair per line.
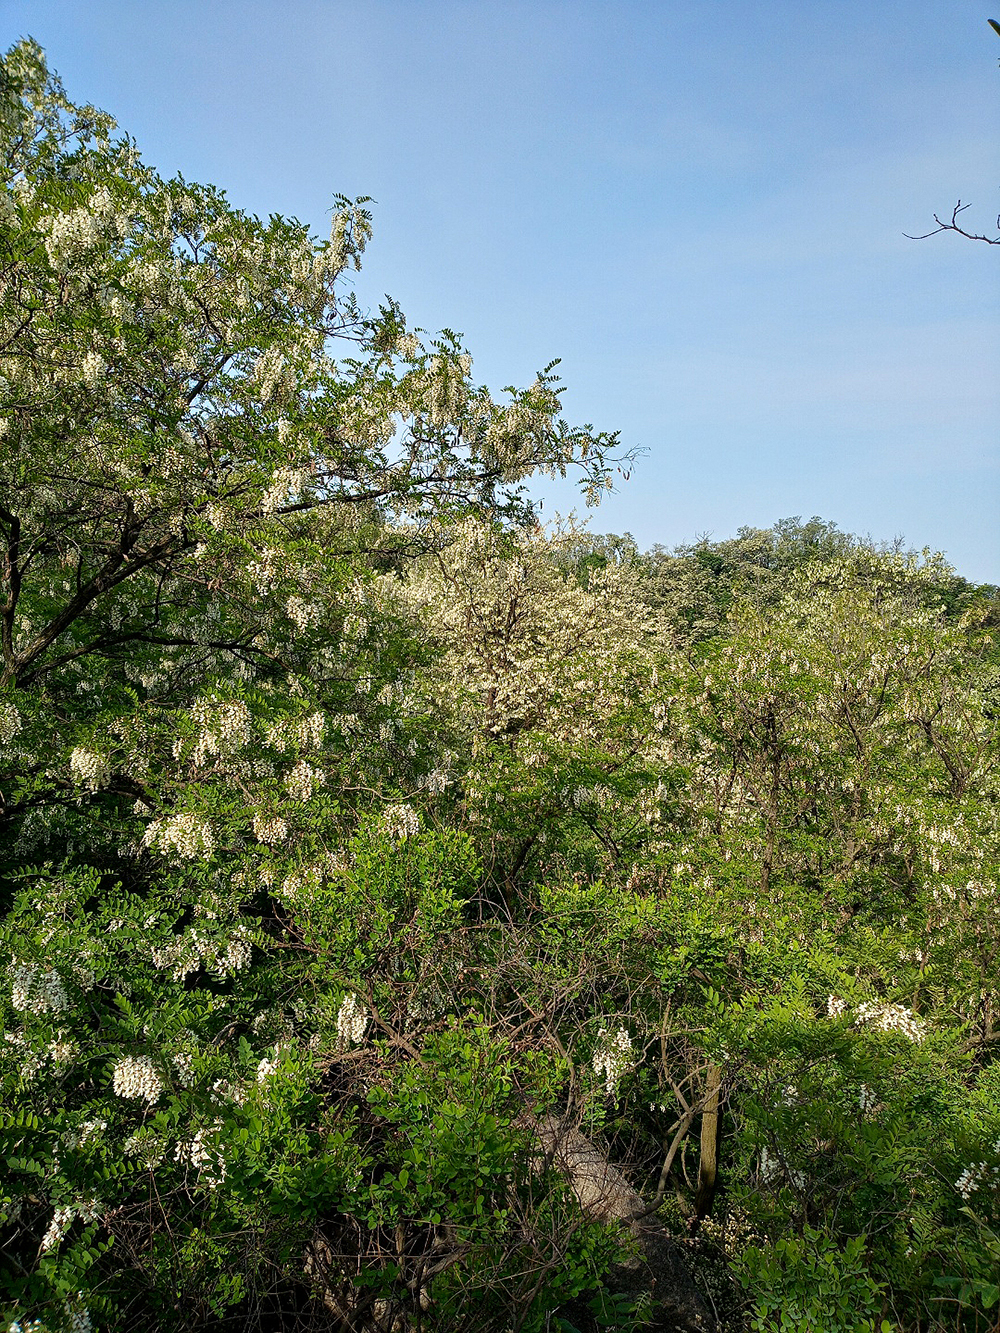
x,y
146,1146
10,723
239,950
206,1160
195,949
302,779
225,728
613,1058
77,1316
304,614
183,1062
303,731
773,1170
89,770
400,822
62,1049
892,1018
71,235
92,368
269,829
89,1129
186,834
352,1022
975,1176
37,989
62,1219
135,1077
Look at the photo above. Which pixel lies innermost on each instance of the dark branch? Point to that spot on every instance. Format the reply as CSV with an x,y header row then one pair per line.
x,y
952,225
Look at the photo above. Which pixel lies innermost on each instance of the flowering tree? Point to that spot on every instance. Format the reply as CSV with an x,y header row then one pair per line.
x,y
207,451
172,386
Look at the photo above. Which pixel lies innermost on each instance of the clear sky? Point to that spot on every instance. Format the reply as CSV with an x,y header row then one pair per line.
x,y
699,205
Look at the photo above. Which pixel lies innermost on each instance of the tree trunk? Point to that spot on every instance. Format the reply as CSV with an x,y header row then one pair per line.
x,y
711,1123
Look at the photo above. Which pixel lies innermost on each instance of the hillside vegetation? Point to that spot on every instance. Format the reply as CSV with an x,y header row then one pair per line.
x,y
414,918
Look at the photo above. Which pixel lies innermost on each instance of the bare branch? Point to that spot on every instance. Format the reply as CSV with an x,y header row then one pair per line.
x,y
952,225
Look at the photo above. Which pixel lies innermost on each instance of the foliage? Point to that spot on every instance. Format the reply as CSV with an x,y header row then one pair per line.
x,y
355,830
806,1282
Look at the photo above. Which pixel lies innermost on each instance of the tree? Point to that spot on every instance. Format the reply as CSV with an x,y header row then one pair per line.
x,y
171,384
208,455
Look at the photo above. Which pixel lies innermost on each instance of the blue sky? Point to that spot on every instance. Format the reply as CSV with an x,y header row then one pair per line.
x,y
698,206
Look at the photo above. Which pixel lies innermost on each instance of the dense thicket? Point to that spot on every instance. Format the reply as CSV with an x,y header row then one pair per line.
x,y
415,918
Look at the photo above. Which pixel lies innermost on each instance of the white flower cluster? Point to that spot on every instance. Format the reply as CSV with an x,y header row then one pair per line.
x,y
302,613
303,732
265,571
274,380
187,953
145,1146
225,728
302,779
835,1006
408,345
62,1049
89,770
83,975
77,1316
10,723
36,989
224,1091
269,829
183,1062
584,798
63,1218
186,834
89,1129
613,1058
267,1067
400,822
302,883
180,957
308,731
976,1175
71,235
239,950
135,1077
207,1161
446,389
773,1169
352,1022
92,368
651,803
31,1060
892,1018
